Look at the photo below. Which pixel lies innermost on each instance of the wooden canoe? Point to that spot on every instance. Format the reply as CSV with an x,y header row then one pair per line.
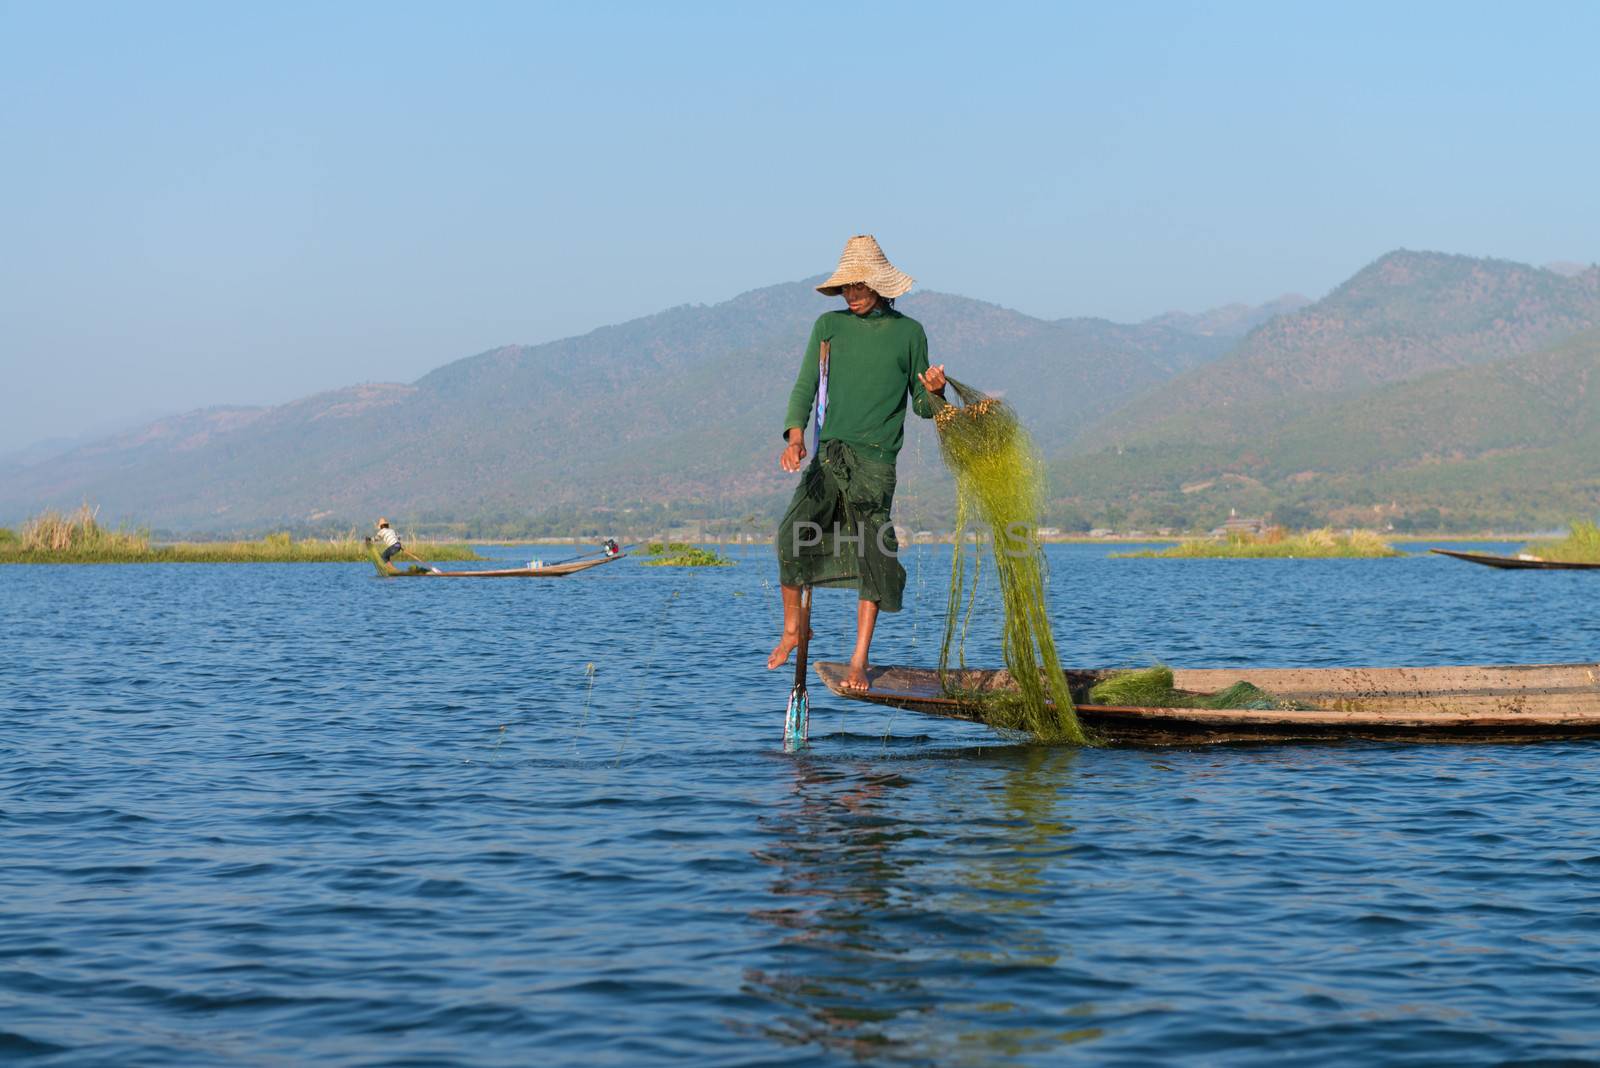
x,y
1443,704
1527,562
547,571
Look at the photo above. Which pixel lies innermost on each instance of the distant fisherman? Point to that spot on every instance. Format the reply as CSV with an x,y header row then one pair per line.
x,y
392,546
861,364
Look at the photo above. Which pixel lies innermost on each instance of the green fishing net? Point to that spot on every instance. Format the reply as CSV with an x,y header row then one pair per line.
x,y
389,569
1152,688
999,493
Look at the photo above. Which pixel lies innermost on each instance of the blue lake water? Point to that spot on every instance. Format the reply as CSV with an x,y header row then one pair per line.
x,y
295,814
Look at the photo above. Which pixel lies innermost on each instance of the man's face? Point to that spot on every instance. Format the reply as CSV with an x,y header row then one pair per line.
x,y
860,297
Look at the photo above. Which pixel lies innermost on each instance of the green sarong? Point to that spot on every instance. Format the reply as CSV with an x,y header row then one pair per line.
x,y
837,531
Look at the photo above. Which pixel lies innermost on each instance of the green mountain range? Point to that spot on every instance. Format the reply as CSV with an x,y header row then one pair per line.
x,y
670,416
1512,445
1428,391
1405,315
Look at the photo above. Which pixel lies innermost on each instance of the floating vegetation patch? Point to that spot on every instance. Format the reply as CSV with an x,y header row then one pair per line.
x,y
1278,543
682,554
1580,546
999,491
1152,688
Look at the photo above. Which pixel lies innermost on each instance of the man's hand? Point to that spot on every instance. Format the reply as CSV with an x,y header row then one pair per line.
x,y
794,453
933,379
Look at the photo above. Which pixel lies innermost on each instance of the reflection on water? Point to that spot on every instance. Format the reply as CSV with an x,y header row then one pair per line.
x,y
890,928
836,875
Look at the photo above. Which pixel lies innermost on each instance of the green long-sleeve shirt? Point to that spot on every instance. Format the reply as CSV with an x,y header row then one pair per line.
x,y
873,364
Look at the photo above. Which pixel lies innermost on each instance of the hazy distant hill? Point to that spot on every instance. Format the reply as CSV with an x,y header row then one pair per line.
x,y
677,411
1426,389
1405,315
1232,320
1377,404
1513,444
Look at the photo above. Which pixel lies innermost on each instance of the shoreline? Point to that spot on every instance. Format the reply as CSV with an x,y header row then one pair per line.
x,y
229,552
322,552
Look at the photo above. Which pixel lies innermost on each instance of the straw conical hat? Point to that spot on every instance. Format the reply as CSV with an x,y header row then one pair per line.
x,y
863,261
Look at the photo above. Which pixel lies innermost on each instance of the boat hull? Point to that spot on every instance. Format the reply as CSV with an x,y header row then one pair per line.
x,y
1514,563
549,571
1434,704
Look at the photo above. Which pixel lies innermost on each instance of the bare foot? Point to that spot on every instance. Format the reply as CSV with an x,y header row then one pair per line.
x,y
855,680
786,645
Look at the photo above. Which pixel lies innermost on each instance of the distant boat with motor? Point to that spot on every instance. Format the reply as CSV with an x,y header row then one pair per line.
x,y
1520,561
1498,703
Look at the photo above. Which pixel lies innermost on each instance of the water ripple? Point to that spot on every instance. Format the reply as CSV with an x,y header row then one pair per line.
x,y
273,815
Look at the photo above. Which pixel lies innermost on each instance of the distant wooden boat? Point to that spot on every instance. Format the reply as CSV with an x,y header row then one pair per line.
x,y
1523,561
546,571
1434,704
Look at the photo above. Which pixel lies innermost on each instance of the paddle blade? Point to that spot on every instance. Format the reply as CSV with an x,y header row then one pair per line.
x,y
797,720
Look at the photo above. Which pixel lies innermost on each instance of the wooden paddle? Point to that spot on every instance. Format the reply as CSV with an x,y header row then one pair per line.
x,y
420,560
797,719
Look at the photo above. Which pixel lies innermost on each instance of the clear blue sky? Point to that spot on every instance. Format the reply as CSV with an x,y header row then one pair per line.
x,y
208,203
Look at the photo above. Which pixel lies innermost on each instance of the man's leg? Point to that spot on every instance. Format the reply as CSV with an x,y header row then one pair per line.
x,y
791,627
866,620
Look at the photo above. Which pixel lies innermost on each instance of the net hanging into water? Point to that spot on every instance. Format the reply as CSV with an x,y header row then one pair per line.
x,y
999,492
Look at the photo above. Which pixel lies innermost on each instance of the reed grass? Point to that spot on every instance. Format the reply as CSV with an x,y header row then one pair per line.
x,y
1277,543
78,537
1580,546
67,534
681,554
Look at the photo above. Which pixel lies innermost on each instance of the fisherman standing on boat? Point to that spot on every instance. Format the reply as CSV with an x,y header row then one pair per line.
x,y
860,364
392,546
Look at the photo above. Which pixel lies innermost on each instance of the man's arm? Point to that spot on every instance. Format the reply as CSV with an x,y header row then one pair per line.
x,y
798,414
925,380
794,452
